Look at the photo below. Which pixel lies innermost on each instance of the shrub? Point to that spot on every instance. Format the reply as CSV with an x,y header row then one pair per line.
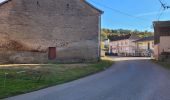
x,y
164,56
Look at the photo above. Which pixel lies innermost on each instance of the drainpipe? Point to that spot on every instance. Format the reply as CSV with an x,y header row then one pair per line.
x,y
99,38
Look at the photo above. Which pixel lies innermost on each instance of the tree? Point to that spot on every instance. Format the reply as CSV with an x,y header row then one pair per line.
x,y
109,33
103,35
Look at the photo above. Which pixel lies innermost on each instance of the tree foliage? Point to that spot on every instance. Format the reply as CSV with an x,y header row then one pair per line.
x,y
119,32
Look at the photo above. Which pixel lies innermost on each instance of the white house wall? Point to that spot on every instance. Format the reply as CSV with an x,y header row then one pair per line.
x,y
123,46
164,44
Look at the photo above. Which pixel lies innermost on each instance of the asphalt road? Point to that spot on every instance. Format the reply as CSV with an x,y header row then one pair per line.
x,y
127,79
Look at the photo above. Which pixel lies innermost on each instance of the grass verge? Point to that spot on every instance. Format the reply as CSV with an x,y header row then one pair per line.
x,y
26,78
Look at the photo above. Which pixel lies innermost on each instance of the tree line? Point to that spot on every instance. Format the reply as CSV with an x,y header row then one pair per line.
x,y
109,33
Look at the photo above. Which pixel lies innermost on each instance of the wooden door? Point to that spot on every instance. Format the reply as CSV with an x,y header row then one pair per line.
x,y
52,53
148,46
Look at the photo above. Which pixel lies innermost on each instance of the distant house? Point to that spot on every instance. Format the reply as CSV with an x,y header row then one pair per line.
x,y
42,31
104,47
162,37
145,46
123,45
106,43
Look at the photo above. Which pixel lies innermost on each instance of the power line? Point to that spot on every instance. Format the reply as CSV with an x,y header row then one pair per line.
x,y
160,14
146,27
124,13
118,11
164,6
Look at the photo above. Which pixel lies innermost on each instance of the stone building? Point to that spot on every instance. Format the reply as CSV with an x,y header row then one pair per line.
x,y
42,31
162,37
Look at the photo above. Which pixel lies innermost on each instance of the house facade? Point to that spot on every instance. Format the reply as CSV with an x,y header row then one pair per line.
x,y
145,46
124,45
42,31
162,37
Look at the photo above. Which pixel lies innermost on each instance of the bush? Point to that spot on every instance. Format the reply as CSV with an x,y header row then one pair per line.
x,y
165,53
164,56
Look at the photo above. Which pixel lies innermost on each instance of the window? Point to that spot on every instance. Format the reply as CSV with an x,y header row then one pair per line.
x,y
121,43
140,43
38,4
68,5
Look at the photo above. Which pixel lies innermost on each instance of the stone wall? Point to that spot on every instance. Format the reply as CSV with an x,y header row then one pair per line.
x,y
29,27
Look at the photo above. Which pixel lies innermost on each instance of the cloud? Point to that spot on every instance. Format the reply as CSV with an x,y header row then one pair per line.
x,y
151,13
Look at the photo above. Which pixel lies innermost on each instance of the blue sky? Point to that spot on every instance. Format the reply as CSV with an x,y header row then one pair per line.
x,y
135,14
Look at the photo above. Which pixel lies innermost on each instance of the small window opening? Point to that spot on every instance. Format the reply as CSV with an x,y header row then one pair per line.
x,y
38,3
68,5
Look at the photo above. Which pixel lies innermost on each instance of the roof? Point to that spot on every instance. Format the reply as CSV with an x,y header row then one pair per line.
x,y
124,37
4,2
161,23
134,37
150,38
161,28
117,38
93,7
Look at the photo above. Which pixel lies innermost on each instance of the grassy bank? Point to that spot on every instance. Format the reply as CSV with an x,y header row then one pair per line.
x,y
19,79
163,64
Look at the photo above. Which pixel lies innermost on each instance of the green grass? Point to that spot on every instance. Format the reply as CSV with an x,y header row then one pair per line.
x,y
37,77
163,64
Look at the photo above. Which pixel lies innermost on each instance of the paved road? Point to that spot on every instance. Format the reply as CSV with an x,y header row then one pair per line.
x,y
130,79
